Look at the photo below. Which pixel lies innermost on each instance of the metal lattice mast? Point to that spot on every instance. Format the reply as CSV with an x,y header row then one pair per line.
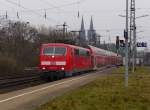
x,y
132,34
126,46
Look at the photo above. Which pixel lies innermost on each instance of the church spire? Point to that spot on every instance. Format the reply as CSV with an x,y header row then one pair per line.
x,y
82,31
91,24
82,25
92,33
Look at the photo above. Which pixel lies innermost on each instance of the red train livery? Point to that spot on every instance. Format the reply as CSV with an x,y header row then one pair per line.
x,y
63,60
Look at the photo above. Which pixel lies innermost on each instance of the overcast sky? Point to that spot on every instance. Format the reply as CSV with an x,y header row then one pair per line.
x,y
105,14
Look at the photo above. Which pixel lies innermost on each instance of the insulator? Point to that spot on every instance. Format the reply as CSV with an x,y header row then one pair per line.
x,y
6,15
45,15
17,15
78,14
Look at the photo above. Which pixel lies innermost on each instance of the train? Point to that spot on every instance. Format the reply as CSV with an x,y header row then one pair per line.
x,y
65,60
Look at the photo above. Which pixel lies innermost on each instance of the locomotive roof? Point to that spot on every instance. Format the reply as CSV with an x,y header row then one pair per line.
x,y
62,44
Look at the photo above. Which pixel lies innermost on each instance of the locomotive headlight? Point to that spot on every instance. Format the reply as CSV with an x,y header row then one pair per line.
x,y
43,68
53,56
62,68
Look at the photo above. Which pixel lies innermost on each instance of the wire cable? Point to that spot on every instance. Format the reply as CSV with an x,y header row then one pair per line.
x,y
14,3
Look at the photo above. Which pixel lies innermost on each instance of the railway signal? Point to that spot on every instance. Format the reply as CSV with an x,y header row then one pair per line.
x,y
125,34
117,42
122,43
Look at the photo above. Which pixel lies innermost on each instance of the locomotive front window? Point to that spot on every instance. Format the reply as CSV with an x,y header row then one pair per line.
x,y
54,50
60,50
48,51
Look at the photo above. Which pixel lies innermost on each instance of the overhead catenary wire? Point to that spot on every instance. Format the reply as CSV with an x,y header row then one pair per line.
x,y
65,5
54,7
58,7
5,5
18,11
36,11
49,4
14,3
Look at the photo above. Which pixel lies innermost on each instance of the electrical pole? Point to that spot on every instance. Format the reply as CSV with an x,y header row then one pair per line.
x,y
78,36
99,37
64,30
130,38
126,47
109,40
133,34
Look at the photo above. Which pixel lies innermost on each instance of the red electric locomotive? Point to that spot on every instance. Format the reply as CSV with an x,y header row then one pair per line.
x,y
63,60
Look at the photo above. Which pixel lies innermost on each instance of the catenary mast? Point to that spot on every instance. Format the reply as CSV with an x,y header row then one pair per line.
x,y
132,35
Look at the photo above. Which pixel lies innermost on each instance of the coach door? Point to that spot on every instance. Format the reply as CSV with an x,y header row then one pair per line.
x,y
94,62
73,59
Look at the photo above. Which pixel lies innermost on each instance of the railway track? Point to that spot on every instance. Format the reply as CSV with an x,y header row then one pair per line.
x,y
19,79
12,82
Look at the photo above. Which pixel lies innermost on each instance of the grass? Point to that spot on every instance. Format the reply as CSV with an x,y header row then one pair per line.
x,y
107,93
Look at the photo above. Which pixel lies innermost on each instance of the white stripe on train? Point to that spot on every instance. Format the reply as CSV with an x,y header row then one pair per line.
x,y
53,63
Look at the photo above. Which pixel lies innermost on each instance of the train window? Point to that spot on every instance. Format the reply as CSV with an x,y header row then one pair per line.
x,y
84,53
87,53
48,50
76,51
52,50
81,52
60,50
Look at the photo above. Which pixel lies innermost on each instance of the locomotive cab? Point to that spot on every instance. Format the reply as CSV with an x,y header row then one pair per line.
x,y
53,57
